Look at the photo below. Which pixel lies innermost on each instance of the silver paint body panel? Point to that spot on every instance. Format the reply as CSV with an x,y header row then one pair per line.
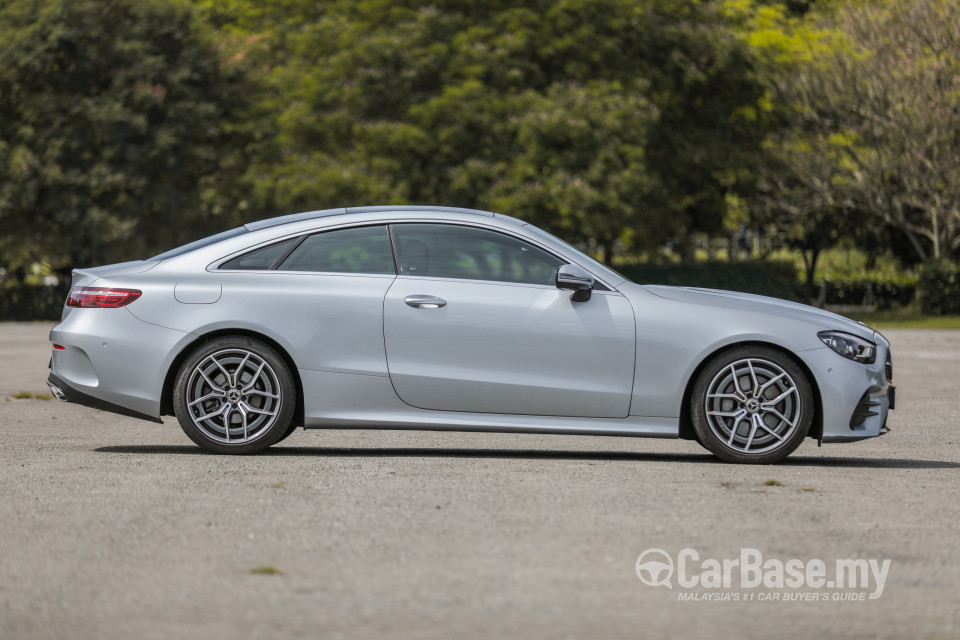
x,y
497,357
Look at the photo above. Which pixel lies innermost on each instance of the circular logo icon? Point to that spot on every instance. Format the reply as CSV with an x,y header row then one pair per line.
x,y
655,568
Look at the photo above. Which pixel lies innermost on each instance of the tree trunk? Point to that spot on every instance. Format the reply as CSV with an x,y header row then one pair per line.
x,y
810,268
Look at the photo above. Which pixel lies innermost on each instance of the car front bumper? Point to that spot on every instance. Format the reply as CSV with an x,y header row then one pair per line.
x,y
856,398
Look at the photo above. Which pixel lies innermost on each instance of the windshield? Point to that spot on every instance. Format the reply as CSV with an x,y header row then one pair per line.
x,y
199,244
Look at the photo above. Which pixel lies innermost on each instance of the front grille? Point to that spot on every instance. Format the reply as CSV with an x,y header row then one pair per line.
x,y
888,370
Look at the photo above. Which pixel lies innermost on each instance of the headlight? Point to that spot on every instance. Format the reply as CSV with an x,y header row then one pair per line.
x,y
850,346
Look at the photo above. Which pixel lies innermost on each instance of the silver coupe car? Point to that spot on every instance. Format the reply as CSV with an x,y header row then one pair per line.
x,y
435,318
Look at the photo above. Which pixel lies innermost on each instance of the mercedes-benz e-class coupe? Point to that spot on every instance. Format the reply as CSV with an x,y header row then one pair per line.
x,y
435,318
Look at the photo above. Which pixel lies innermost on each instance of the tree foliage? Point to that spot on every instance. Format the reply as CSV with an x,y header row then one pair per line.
x,y
580,115
111,128
872,142
133,125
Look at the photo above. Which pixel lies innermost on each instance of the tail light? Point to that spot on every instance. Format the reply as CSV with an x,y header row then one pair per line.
x,y
101,297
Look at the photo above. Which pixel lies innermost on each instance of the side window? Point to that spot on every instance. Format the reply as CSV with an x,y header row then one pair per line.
x,y
355,250
469,253
259,259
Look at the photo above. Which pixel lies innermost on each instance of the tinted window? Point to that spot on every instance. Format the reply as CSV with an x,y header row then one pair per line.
x,y
259,259
357,250
469,253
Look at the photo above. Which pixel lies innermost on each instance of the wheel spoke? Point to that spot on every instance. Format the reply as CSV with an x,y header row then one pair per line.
x,y
753,376
226,373
226,421
253,380
783,417
754,419
210,382
727,414
213,414
239,370
736,383
243,418
255,392
736,426
769,382
250,409
769,404
212,394
763,425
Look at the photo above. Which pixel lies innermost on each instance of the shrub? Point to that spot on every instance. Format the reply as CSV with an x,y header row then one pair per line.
x,y
19,301
887,290
774,278
938,289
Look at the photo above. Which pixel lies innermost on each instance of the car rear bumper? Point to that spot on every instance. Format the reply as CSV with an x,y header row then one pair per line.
x,y
62,391
111,360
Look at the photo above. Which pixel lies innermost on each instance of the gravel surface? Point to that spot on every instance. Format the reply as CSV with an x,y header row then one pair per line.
x,y
116,528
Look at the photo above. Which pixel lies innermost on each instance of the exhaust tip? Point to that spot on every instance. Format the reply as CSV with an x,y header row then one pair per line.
x,y
57,392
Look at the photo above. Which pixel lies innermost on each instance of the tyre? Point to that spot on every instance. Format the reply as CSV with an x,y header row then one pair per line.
x,y
235,395
752,405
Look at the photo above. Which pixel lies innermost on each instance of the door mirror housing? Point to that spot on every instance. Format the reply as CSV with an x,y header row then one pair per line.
x,y
573,278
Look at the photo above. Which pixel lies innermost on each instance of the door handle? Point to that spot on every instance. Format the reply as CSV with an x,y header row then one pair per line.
x,y
425,302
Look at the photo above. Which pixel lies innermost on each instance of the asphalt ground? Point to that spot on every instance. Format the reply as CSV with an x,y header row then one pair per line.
x,y
112,527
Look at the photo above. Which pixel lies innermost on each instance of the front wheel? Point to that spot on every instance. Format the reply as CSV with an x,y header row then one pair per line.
x,y
234,394
752,405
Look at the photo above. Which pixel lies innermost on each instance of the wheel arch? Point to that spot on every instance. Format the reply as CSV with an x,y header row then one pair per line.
x,y
686,422
166,397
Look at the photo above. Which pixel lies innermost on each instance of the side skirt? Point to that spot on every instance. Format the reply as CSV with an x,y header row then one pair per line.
x,y
350,401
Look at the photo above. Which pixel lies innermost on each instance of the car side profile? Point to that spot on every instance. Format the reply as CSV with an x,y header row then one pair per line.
x,y
408,317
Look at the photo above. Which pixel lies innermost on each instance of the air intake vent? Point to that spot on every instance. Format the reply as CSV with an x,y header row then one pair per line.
x,y
865,409
888,369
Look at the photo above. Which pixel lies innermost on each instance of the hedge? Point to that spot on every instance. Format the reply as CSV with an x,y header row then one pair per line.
x,y
938,289
886,290
776,278
20,301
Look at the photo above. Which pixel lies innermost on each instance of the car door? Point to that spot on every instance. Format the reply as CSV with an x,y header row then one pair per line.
x,y
475,323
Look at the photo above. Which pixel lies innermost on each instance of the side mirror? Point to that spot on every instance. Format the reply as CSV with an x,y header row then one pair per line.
x,y
573,278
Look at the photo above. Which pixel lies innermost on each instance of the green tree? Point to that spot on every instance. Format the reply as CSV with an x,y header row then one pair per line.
x,y
111,130
580,115
873,127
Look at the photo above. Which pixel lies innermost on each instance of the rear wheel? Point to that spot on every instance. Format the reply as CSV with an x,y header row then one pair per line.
x,y
752,405
236,395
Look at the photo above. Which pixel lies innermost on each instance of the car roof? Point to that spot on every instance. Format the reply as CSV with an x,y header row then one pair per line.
x,y
310,215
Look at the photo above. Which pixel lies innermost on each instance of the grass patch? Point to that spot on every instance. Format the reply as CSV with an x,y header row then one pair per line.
x,y
807,490
26,395
726,484
773,483
277,485
267,570
907,318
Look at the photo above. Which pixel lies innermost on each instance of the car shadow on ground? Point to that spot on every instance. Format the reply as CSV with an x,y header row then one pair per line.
x,y
537,454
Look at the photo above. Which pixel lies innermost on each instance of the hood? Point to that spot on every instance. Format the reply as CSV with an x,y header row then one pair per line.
x,y
764,304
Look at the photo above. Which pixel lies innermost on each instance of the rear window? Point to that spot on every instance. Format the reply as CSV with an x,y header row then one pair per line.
x,y
260,259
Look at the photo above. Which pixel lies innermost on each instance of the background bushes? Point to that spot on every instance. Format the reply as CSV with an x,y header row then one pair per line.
x,y
938,289
886,290
765,277
19,301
